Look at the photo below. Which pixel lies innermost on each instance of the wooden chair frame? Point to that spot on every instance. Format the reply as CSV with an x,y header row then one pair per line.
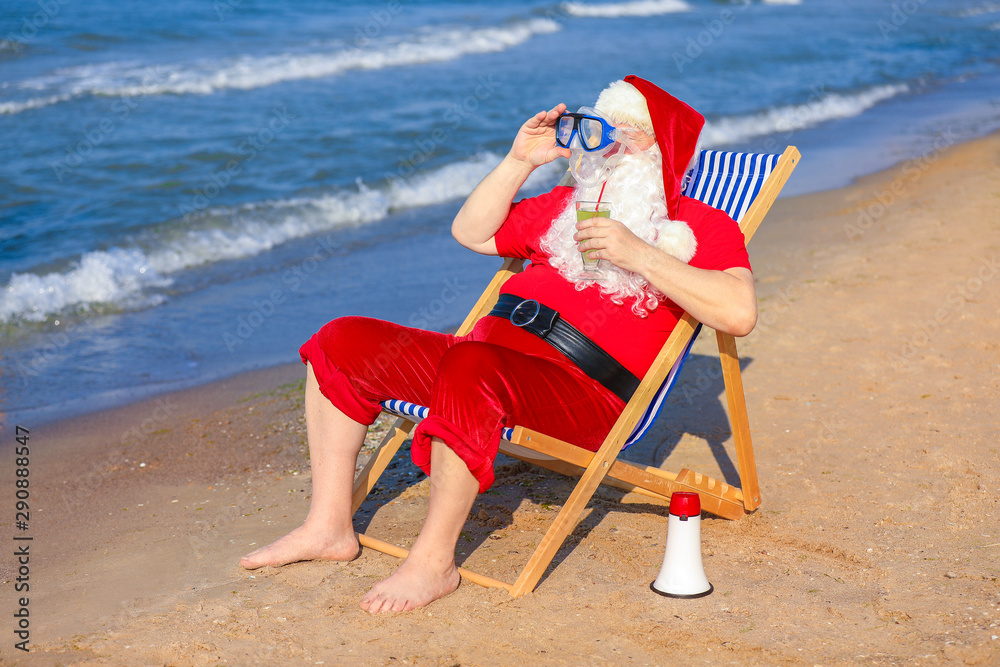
x,y
603,466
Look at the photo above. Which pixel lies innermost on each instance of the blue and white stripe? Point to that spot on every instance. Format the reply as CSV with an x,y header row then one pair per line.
x,y
730,181
655,405
417,413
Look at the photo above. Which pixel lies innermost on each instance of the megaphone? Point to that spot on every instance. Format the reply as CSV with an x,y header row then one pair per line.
x,y
682,574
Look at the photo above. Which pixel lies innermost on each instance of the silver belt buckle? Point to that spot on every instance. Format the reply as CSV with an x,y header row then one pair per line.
x,y
514,313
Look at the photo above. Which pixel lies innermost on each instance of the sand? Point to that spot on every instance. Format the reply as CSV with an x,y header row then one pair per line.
x,y
872,383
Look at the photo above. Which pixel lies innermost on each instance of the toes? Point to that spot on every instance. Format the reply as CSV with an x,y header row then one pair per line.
x,y
248,562
402,592
370,601
375,605
378,601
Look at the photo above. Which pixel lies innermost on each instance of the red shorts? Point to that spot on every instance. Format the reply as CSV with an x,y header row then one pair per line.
x,y
474,385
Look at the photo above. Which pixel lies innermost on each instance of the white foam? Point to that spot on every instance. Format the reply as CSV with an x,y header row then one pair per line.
x,y
449,182
782,2
115,276
543,178
250,71
122,277
988,8
619,9
249,230
725,131
34,103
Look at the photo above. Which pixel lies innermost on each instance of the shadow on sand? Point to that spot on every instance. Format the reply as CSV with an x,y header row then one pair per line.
x,y
696,406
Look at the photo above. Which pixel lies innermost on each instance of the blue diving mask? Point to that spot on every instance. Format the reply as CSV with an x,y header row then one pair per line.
x,y
595,143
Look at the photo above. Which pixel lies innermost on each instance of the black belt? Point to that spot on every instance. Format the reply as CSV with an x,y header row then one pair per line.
x,y
545,323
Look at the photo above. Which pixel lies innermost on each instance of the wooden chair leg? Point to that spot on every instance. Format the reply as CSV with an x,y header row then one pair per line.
x,y
399,552
377,464
738,420
718,497
569,515
563,525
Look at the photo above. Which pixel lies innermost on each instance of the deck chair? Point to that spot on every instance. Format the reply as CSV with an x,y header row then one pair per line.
x,y
744,185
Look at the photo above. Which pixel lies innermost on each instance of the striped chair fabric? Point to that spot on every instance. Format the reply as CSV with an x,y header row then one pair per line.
x,y
723,180
418,412
729,181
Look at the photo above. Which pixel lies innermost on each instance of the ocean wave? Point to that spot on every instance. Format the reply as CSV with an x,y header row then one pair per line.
x,y
250,230
730,130
781,2
33,103
133,277
988,8
14,45
248,72
127,278
619,9
119,276
449,182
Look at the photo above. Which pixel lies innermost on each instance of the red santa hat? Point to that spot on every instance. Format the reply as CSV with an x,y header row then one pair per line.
x,y
676,126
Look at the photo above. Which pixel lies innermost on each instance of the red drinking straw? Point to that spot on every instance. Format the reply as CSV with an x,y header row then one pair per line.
x,y
601,194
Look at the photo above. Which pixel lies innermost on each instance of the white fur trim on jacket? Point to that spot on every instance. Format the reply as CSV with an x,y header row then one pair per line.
x,y
676,238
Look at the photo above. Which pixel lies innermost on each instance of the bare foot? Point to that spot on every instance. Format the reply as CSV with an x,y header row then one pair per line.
x,y
412,586
303,544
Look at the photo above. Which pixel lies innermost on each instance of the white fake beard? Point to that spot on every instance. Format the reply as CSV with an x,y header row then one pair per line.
x,y
635,190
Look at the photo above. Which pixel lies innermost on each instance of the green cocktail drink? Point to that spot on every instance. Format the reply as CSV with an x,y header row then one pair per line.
x,y
584,211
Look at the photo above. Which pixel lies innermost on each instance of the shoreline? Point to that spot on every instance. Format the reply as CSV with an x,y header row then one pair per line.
x,y
869,387
143,417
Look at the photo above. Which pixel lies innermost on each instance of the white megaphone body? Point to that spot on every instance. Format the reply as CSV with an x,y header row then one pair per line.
x,y
682,574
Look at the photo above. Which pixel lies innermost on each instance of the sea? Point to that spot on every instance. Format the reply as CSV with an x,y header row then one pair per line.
x,y
190,189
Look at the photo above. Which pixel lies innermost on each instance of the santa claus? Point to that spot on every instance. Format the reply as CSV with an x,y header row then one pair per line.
x,y
561,352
